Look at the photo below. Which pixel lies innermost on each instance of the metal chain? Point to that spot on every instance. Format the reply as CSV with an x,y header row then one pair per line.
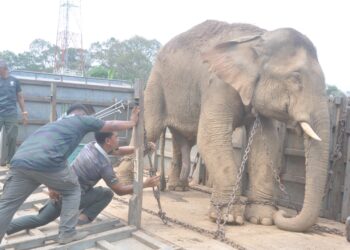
x,y
156,192
188,226
194,166
212,234
276,175
220,221
152,172
324,229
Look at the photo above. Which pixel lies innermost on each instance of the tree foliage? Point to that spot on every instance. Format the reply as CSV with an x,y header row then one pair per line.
x,y
126,60
334,91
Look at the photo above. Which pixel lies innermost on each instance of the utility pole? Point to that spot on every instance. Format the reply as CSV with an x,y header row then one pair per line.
x,y
69,55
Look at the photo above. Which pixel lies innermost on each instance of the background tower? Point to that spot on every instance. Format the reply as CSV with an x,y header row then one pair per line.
x,y
69,56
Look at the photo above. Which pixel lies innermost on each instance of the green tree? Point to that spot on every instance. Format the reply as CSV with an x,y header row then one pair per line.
x,y
40,57
333,90
98,71
10,57
126,60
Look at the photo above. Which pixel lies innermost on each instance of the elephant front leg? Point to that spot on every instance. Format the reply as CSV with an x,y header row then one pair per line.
x,y
265,156
221,166
220,114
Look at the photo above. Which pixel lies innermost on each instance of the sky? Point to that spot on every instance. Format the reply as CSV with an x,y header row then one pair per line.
x,y
325,22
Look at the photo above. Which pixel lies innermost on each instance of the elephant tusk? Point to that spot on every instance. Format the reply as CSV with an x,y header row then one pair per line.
x,y
309,131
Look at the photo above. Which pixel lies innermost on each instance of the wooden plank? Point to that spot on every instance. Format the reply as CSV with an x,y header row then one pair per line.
x,y
104,245
23,244
135,203
53,103
149,241
348,120
77,85
45,99
294,152
90,241
345,211
36,122
333,201
35,232
293,178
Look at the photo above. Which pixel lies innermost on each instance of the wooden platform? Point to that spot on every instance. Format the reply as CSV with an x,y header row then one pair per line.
x,y
106,232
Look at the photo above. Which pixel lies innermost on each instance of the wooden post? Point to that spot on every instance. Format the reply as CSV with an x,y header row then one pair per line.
x,y
345,212
135,203
53,103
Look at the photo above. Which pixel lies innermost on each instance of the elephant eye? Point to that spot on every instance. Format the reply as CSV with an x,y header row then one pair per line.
x,y
295,78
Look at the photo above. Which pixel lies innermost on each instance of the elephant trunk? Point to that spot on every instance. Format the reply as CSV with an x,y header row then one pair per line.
x,y
317,159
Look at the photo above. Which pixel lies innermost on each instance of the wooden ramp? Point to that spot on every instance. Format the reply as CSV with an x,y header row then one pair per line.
x,y
106,232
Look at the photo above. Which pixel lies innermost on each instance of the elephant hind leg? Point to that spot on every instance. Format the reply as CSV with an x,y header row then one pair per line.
x,y
154,110
180,169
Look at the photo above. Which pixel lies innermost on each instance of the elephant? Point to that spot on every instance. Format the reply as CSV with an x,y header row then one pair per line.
x,y
216,77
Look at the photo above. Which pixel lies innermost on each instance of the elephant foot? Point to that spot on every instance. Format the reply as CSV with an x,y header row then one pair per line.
x,y
233,216
180,186
260,213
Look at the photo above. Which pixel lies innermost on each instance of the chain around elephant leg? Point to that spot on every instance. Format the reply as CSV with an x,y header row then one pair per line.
x,y
219,205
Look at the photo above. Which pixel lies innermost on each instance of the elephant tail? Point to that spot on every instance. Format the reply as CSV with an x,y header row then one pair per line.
x,y
154,108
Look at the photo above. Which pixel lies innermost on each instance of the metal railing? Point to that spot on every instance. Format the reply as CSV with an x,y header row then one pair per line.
x,y
42,76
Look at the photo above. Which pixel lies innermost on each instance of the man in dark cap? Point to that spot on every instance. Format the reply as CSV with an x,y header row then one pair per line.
x,y
10,93
42,159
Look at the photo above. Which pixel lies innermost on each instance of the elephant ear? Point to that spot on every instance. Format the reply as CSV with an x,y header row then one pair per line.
x,y
236,62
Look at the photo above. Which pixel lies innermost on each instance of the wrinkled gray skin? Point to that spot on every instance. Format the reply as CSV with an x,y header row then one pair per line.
x,y
212,79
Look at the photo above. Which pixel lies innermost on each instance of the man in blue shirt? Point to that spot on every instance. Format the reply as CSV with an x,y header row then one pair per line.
x,y
91,165
10,93
42,159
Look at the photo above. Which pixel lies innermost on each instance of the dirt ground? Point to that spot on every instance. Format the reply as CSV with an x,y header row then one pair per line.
x,y
191,207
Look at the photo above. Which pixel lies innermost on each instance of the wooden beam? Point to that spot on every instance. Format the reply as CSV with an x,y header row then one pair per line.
x,y
90,241
35,242
135,203
149,241
105,245
294,152
345,211
35,122
77,85
44,99
53,103
293,178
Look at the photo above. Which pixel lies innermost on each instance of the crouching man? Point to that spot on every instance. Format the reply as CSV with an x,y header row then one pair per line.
x,y
91,165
